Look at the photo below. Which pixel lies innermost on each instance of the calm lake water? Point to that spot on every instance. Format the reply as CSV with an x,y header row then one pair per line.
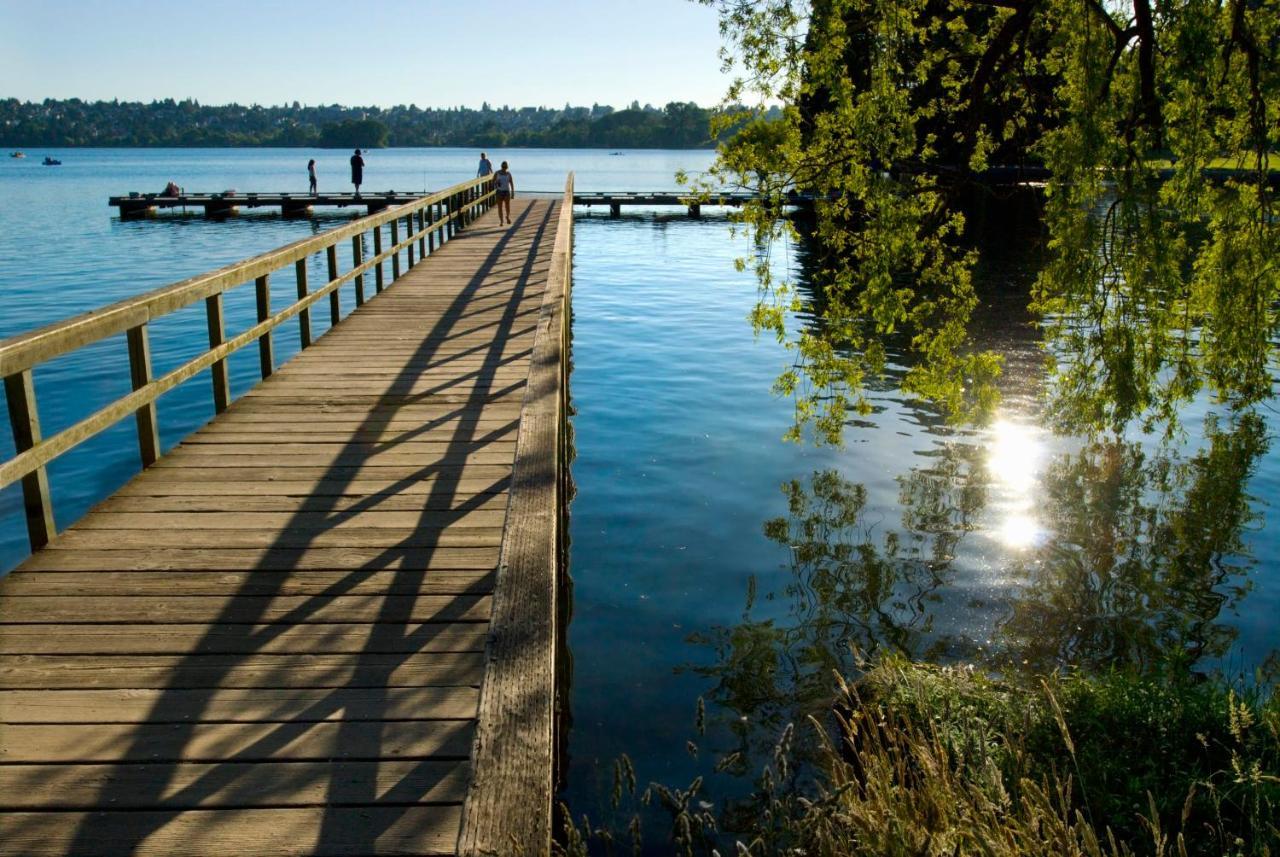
x,y
709,557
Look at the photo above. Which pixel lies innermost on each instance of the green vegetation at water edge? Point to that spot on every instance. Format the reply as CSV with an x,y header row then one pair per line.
x,y
925,760
73,122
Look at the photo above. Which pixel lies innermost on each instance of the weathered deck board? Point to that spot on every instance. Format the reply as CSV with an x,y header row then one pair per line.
x,y
273,640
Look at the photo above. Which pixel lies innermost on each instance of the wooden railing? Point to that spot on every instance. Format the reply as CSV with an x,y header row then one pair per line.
x,y
508,808
428,222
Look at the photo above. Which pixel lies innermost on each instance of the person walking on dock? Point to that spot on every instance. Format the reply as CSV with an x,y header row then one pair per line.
x,y
506,188
485,168
357,170
311,175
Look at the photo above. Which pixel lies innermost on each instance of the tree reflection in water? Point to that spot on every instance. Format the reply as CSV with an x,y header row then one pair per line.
x,y
1143,552
852,585
1146,554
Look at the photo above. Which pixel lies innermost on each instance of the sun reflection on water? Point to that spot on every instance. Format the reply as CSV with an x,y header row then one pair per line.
x,y
1015,455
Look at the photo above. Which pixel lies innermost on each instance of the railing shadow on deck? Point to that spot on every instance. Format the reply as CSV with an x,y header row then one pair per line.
x,y
351,778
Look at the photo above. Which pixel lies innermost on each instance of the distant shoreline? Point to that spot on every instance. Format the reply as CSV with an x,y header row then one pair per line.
x,y
482,146
72,123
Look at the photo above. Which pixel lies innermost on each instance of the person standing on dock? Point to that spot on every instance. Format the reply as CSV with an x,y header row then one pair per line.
x,y
357,170
506,188
311,175
485,167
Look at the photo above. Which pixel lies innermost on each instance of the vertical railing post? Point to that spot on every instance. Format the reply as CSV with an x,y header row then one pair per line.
x,y
357,257
377,252
451,206
139,377
431,234
335,305
304,315
262,287
408,236
422,232
395,254
219,372
20,393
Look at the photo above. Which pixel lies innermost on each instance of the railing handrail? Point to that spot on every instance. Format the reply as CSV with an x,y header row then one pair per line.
x,y
27,350
20,354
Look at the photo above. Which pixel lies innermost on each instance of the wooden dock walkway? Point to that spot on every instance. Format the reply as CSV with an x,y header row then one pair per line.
x,y
222,204
323,624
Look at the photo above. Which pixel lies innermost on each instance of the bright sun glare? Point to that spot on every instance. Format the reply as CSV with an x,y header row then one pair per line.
x,y
1014,457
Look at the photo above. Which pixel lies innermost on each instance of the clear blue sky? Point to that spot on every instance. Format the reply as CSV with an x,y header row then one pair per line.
x,y
373,52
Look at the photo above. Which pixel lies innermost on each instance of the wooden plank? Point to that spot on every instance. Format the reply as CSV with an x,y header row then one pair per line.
x,y
386,538
363,502
362,830
239,639
203,785
144,583
358,434
236,705
338,494
255,609
282,521
279,559
374,455
236,742
449,472
66,672
406,451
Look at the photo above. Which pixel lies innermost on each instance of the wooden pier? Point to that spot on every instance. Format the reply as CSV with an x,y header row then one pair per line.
x,y
617,199
223,204
297,204
325,622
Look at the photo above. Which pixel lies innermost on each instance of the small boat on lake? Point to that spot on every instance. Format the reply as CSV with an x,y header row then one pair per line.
x,y
51,162
17,154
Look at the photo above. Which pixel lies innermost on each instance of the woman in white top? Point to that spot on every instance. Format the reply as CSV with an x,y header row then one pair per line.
x,y
505,186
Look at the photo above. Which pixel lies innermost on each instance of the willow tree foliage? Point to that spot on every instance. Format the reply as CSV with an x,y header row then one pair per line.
x,y
1155,121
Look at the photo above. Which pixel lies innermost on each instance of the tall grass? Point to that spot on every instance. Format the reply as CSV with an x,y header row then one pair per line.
x,y
925,760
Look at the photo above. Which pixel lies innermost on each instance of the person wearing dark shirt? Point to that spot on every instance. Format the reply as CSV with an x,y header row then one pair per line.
x,y
311,175
357,170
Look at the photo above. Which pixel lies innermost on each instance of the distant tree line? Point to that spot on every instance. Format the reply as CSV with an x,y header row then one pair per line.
x,y
73,122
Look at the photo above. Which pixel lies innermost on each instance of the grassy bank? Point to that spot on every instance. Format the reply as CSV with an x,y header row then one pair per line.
x,y
922,760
